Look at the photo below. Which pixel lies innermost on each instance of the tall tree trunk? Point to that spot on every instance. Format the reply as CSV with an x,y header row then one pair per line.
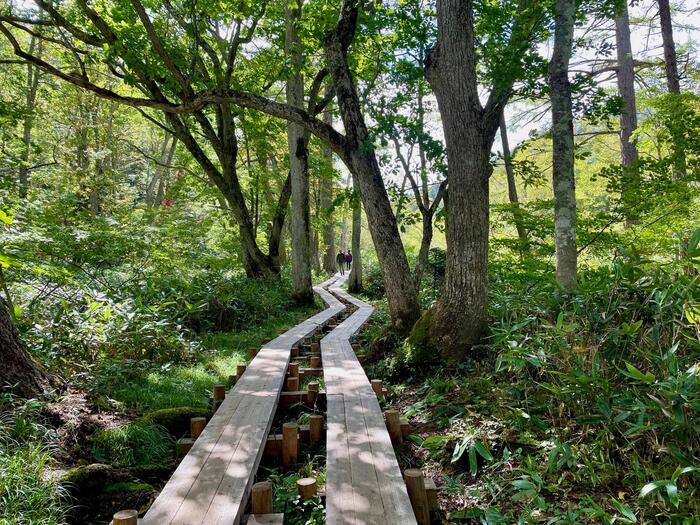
x,y
151,189
298,162
167,160
628,118
459,318
670,59
563,179
401,293
32,87
344,224
673,82
18,371
512,187
329,252
355,279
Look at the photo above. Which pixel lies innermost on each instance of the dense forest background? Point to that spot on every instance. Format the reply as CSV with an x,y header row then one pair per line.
x,y
174,176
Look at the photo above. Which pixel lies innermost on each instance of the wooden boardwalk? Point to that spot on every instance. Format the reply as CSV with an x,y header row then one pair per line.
x,y
364,485
212,483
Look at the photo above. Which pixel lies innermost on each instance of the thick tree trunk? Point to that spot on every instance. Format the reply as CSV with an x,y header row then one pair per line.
x,y
459,318
326,202
628,118
512,187
298,164
343,243
401,293
563,179
164,173
355,279
18,371
151,189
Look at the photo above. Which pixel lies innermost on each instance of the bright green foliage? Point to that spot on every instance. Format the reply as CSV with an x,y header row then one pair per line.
x,y
135,444
28,495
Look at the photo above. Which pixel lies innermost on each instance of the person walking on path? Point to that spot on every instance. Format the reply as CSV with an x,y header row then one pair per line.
x,y
340,259
348,259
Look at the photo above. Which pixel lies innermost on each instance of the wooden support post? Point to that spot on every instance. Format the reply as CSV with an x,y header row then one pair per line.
x,y
262,498
315,361
231,380
431,493
240,369
293,369
355,347
312,393
302,375
385,392
307,341
252,352
292,384
315,348
415,486
393,424
405,427
295,351
183,446
306,487
197,425
378,386
290,444
219,392
126,517
273,446
315,428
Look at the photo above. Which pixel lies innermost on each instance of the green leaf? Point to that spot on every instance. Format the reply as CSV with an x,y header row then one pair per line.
x,y
673,497
483,451
473,467
651,487
625,511
637,374
6,218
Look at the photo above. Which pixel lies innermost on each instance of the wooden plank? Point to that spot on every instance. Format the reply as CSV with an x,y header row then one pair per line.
x,y
212,483
340,509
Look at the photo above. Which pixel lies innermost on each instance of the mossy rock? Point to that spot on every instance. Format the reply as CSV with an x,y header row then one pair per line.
x,y
87,480
175,420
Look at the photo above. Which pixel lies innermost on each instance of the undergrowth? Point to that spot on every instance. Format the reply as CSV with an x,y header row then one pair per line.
x,y
583,408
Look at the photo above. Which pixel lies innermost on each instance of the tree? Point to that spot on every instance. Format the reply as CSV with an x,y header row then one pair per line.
x,y
18,370
670,59
512,187
563,179
628,117
326,203
32,87
297,138
355,278
176,97
459,318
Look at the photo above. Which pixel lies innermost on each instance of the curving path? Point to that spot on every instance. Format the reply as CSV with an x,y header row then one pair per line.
x,y
364,485
212,483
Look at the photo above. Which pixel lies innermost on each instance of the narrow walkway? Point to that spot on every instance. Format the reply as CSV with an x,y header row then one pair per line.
x,y
364,485
212,483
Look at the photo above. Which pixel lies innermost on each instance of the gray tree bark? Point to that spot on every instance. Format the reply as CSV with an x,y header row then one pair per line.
x,y
563,179
459,318
628,118
32,86
512,187
670,59
401,293
326,202
355,279
298,164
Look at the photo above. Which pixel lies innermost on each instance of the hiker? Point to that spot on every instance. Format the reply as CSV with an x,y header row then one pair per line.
x,y
340,259
348,259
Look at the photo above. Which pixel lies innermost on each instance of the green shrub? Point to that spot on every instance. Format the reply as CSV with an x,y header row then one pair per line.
x,y
135,444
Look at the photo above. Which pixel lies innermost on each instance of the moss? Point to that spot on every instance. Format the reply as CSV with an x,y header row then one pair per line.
x,y
419,347
88,479
175,420
128,486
